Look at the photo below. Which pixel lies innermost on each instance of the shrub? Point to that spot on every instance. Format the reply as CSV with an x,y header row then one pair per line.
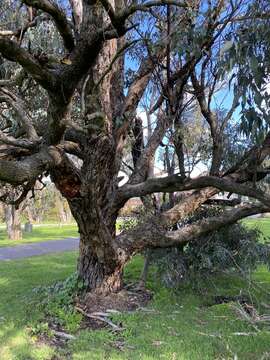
x,y
232,248
56,302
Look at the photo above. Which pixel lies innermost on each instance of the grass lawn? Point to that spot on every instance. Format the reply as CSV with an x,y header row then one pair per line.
x,y
41,233
180,324
262,224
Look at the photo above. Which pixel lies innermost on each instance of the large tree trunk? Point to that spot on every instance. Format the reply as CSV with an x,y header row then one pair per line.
x,y
102,276
99,264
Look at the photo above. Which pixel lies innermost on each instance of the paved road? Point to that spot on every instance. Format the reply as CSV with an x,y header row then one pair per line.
x,y
41,248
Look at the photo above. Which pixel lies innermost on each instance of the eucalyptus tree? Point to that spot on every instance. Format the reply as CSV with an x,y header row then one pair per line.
x,y
74,75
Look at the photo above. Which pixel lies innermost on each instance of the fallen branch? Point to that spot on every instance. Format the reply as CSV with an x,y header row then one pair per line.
x,y
99,316
250,319
210,335
63,335
244,334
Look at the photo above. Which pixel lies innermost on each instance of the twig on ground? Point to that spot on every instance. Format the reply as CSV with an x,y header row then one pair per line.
x,y
101,317
244,334
64,335
210,335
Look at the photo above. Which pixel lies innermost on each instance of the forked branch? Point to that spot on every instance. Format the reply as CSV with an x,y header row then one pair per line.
x,y
13,52
59,17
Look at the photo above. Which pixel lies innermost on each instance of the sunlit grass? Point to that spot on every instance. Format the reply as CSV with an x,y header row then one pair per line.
x,y
263,224
41,233
181,324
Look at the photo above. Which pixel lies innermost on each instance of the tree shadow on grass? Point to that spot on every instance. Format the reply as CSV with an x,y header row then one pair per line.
x,y
17,281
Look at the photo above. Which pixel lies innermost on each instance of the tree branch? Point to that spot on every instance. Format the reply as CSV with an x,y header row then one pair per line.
x,y
141,168
116,56
19,33
23,143
18,105
123,15
155,234
223,202
206,226
21,171
177,183
13,52
77,10
211,118
59,18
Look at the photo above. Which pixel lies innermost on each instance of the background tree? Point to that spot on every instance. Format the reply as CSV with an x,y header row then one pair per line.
x,y
13,222
87,104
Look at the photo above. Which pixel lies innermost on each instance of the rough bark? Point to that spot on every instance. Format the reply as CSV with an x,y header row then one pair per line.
x,y
99,276
99,264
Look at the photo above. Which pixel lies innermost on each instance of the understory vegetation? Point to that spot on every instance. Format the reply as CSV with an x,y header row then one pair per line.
x,y
192,321
238,248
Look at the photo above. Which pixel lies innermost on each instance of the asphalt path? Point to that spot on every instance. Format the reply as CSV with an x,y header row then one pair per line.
x,y
40,248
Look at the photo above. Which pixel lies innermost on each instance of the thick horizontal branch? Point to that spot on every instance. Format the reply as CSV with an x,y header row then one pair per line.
x,y
21,171
13,52
23,143
59,18
232,181
223,202
153,233
130,10
177,183
11,152
206,226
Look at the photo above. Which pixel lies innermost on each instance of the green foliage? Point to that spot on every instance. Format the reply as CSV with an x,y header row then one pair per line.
x,y
171,267
127,223
244,57
234,248
57,302
41,328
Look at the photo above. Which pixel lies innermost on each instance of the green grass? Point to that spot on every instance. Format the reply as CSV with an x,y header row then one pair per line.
x,y
17,280
181,325
40,233
263,224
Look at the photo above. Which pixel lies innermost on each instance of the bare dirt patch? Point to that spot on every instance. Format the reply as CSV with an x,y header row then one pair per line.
x,y
125,300
97,309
